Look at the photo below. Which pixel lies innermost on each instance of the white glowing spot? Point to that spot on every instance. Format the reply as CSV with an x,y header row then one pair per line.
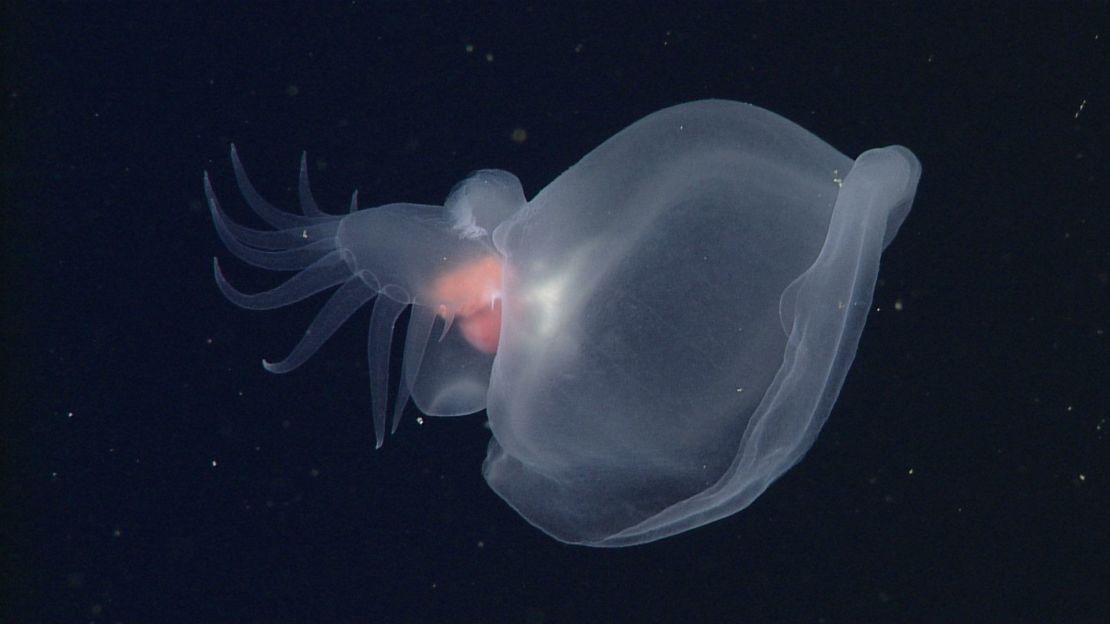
x,y
549,298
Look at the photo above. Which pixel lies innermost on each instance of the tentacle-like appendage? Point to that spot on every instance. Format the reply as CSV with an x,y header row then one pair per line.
x,y
379,344
285,260
308,203
277,218
329,271
416,341
351,296
268,239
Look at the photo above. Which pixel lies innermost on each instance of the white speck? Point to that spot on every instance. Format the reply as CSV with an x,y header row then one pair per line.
x,y
1082,105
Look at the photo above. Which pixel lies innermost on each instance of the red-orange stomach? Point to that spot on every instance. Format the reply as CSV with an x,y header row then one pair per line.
x,y
470,289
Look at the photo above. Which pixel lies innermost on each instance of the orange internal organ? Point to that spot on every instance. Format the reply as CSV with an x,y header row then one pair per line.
x,y
472,292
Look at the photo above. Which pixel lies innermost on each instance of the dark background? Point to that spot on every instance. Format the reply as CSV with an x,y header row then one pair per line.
x,y
153,472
